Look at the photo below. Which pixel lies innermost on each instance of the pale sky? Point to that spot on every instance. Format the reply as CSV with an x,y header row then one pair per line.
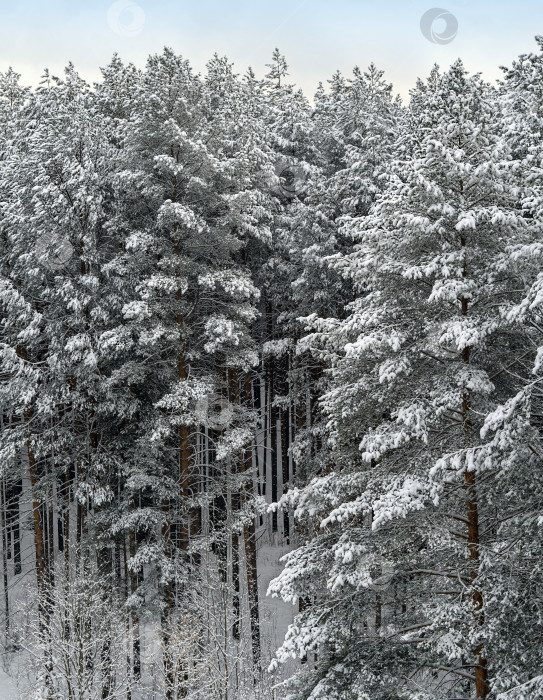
x,y
317,37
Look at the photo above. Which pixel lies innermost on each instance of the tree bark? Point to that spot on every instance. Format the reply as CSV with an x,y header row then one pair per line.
x,y
473,541
13,525
249,539
4,557
236,507
285,441
135,622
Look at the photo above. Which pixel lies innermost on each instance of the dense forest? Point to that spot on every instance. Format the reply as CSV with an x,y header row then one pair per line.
x,y
271,390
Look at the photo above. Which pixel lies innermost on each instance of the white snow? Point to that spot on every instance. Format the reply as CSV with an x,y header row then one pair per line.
x,y
7,687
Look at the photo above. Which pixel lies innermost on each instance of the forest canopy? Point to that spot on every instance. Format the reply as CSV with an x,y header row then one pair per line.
x,y
271,390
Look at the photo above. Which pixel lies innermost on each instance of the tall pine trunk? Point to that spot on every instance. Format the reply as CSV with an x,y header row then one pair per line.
x,y
273,415
473,540
249,539
4,557
285,439
135,622
236,507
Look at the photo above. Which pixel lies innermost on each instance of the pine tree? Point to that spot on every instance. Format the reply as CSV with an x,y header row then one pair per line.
x,y
406,599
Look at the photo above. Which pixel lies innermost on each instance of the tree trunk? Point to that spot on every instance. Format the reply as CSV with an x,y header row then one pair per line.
x,y
37,518
36,506
51,538
67,499
249,539
273,438
285,441
44,602
13,494
184,460
4,557
128,649
236,507
473,540
136,654
105,565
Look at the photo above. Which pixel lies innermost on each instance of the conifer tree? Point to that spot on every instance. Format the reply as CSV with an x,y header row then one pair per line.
x,y
407,574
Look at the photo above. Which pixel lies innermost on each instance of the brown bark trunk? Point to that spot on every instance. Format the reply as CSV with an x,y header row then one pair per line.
x,y
105,566
236,507
301,425
136,655
260,407
316,373
273,415
481,670
81,517
249,539
184,461
128,646
37,519
13,494
67,499
301,407
44,602
285,442
51,539
4,557
36,506
167,594
107,669
273,439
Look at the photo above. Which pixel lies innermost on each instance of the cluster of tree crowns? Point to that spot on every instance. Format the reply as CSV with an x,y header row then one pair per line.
x,y
216,296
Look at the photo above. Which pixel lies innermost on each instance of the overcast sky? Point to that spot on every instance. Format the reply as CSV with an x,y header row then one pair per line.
x,y
317,37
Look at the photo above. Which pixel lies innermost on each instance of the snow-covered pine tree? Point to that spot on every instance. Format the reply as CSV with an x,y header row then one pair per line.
x,y
190,205
60,432
407,575
13,97
514,428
